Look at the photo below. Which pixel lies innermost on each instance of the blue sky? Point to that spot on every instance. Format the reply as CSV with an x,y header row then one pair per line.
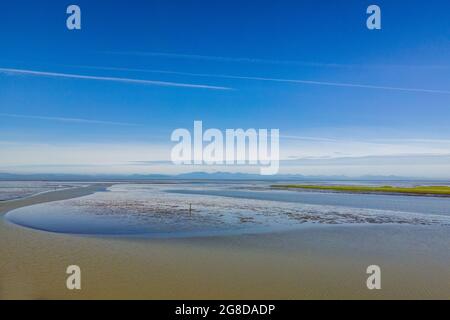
x,y
104,97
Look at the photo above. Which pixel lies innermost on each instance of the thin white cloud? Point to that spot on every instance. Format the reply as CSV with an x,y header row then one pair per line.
x,y
269,61
350,85
382,141
113,79
64,119
223,59
281,80
307,138
415,140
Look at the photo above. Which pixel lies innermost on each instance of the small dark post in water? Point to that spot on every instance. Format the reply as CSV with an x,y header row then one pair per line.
x,y
190,209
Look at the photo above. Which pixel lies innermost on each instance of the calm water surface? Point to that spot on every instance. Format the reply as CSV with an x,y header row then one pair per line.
x,y
197,209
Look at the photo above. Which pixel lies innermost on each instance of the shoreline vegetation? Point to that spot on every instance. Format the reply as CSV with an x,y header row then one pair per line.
x,y
443,191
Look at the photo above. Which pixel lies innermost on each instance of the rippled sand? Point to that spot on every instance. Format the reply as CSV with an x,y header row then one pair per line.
x,y
325,261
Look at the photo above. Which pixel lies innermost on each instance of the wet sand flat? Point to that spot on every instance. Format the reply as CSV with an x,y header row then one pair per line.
x,y
326,262
64,194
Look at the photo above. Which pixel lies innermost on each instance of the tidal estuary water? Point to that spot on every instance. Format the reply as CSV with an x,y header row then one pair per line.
x,y
204,209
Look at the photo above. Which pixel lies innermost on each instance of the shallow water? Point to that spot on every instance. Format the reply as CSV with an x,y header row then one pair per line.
x,y
417,204
10,190
162,210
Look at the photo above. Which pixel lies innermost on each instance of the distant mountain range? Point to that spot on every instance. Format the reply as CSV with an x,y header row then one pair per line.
x,y
194,176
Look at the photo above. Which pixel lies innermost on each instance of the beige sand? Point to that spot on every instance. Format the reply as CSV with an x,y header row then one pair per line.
x,y
323,263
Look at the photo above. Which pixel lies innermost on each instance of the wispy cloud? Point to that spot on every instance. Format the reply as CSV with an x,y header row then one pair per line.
x,y
307,138
113,79
280,80
64,119
222,59
269,61
349,85
372,160
371,141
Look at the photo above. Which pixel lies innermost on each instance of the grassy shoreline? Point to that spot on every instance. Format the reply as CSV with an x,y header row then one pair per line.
x,y
417,190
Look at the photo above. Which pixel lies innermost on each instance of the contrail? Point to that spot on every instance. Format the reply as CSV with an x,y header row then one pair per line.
x,y
295,81
222,59
268,61
113,79
63,119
